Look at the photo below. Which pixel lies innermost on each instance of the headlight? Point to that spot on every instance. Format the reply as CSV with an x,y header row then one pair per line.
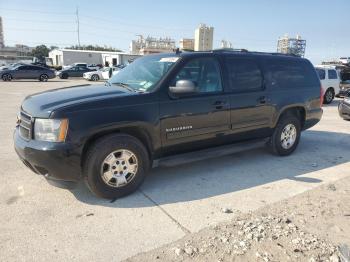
x,y
51,130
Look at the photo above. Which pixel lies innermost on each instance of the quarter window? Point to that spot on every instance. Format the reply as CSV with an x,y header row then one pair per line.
x,y
243,74
332,74
290,73
204,73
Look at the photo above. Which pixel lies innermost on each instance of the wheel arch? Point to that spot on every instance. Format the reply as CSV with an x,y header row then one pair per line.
x,y
139,133
297,110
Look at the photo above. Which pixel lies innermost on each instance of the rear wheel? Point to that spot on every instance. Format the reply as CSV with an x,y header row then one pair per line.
x,y
43,78
286,136
95,77
116,166
328,96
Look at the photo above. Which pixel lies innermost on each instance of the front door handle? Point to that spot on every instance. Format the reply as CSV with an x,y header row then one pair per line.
x,y
219,104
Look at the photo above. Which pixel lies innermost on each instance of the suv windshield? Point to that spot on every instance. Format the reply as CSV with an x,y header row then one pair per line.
x,y
144,73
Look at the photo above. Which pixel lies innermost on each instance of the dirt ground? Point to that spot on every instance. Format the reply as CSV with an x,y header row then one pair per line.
x,y
312,226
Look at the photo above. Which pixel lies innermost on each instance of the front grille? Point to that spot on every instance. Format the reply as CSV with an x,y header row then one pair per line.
x,y
25,125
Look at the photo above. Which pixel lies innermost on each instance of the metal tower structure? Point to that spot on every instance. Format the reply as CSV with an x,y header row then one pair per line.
x,y
288,45
2,43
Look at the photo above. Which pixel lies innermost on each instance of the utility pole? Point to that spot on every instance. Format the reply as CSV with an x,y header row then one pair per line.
x,y
78,32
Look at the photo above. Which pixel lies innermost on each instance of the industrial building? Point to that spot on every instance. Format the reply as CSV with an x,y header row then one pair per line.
x,y
62,57
151,45
186,44
226,44
288,45
203,40
2,42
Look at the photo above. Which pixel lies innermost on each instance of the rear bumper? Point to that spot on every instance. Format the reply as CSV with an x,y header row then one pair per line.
x,y
53,160
344,110
312,118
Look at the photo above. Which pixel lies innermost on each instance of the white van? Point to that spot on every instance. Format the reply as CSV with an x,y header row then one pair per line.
x,y
330,81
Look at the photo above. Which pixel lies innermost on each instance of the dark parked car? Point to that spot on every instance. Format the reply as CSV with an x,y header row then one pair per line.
x,y
74,71
344,106
168,109
344,88
23,71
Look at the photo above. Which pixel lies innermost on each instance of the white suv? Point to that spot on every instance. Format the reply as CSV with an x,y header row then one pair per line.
x,y
330,80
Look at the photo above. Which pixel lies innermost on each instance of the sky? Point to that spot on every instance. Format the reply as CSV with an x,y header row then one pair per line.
x,y
255,25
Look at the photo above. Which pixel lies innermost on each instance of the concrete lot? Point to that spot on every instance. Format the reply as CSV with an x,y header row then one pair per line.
x,y
39,222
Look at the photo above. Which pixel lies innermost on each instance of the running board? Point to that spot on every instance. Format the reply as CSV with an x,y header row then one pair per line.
x,y
209,153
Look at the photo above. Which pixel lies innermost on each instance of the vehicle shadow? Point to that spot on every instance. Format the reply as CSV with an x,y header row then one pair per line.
x,y
204,179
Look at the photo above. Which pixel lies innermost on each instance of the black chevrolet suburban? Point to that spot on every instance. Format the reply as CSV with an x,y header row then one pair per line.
x,y
167,109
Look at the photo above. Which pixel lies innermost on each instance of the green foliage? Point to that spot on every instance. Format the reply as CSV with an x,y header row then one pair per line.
x,y
94,48
40,52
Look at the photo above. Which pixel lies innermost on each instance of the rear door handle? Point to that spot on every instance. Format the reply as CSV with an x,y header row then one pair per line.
x,y
262,100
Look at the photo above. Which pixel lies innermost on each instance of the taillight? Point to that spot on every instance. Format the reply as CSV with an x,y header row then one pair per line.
x,y
321,97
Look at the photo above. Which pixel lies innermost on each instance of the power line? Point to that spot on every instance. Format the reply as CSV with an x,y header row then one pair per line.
x,y
39,30
37,11
108,28
134,25
38,21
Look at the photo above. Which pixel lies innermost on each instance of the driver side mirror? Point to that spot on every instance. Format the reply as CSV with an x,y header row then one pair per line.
x,y
183,87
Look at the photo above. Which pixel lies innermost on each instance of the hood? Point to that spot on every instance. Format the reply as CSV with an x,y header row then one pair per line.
x,y
42,104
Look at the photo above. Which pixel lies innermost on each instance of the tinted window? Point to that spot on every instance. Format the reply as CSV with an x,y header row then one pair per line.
x,y
24,68
34,68
321,73
243,74
332,74
290,73
204,73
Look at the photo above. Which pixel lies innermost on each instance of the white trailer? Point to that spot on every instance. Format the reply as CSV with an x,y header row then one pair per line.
x,y
64,57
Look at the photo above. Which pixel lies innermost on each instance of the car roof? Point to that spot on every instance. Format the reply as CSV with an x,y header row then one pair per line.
x,y
239,52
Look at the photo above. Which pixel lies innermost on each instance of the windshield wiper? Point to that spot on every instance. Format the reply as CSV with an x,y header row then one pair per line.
x,y
124,85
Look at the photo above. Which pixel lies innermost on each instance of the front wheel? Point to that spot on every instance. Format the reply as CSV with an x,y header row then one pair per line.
x,y
6,77
286,136
116,166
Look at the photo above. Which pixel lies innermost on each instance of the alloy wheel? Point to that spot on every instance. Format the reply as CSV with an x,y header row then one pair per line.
x,y
288,136
119,168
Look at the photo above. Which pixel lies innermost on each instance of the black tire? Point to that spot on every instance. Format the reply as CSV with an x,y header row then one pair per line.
x,y
97,153
95,77
64,76
43,78
6,77
275,143
328,96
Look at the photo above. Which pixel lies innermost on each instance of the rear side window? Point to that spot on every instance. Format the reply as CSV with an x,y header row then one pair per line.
x,y
321,73
332,74
243,74
289,73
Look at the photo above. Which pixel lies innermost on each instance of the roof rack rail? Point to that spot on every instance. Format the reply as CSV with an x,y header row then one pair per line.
x,y
229,50
250,52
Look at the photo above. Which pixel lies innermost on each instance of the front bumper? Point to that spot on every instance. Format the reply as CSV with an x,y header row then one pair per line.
x,y
57,161
344,110
344,91
87,77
